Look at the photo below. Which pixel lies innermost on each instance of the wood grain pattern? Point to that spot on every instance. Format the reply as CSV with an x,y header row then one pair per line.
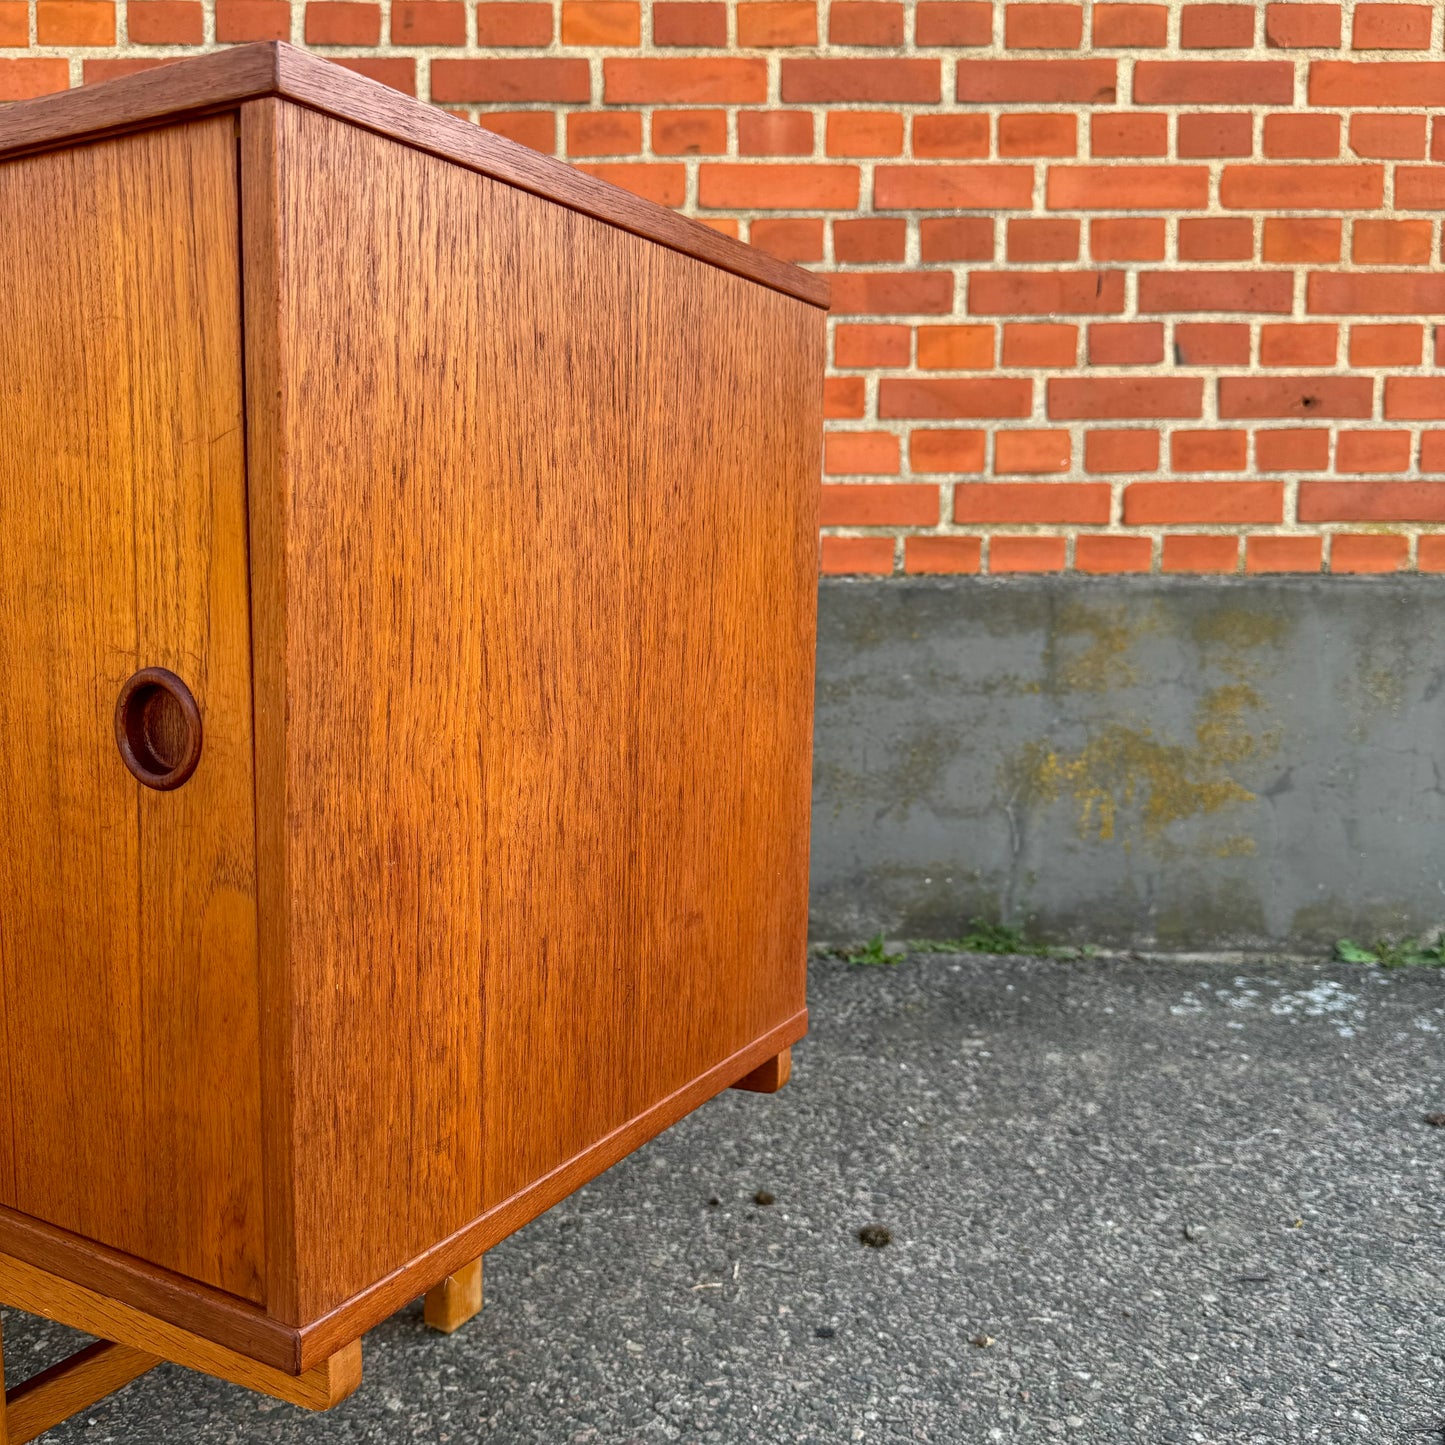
x,y
457,1299
323,1385
571,756
222,79
128,955
70,1386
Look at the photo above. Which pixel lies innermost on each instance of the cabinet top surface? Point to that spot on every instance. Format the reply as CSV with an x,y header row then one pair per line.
x,y
225,78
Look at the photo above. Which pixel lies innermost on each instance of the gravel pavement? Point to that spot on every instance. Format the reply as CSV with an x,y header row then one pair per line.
x,y
1125,1201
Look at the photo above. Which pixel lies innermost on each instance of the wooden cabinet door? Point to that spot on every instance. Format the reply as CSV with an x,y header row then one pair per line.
x,y
129,1061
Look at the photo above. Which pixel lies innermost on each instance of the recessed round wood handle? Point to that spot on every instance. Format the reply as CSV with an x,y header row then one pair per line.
x,y
158,728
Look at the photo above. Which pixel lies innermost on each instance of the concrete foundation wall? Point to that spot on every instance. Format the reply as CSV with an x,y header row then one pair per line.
x,y
1153,762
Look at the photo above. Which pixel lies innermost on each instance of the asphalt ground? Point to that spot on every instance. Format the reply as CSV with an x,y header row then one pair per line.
x,y
1125,1200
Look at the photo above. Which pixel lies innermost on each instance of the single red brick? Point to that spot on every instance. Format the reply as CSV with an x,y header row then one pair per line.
x,y
1211,343
1302,137
952,188
1133,27
1256,291
870,238
1432,451
1151,397
948,135
1377,83
1390,243
513,22
1129,133
893,293
1027,554
1210,238
1388,137
866,133
1369,552
1430,554
165,22
238,21
1375,293
75,22
1132,239
1037,135
942,554
1209,451
730,226
1302,27
810,81
1293,239
1226,133
1034,239
428,22
1045,293
1127,188
871,345
1420,188
1044,344
946,450
1213,82
865,22
857,556
1103,554
667,185
1032,453
777,22
1283,554
1131,449
1386,345
1372,451
1049,82
510,80
955,348
97,70
604,133
396,71
1126,343
342,22
679,23
1189,552
761,185
1295,396
1372,502
1391,27
14,23
1202,503
1437,139
1216,27
601,22
690,132
1087,503
867,453
956,238
1414,398
843,396
536,129
1292,449
1309,343
953,22
1036,26
881,504
792,238
711,80
775,132
941,400
32,75
1302,188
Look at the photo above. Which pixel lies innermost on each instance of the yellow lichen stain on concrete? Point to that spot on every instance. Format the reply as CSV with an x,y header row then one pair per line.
x,y
1240,845
1240,627
1104,663
1122,767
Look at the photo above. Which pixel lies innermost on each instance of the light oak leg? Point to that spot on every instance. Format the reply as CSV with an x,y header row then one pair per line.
x,y
770,1075
455,1300
75,1384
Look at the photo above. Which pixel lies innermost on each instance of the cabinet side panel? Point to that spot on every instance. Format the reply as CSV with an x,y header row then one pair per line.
x,y
127,952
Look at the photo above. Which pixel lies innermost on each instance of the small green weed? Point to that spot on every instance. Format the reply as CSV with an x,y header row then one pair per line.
x,y
1393,953
981,937
875,951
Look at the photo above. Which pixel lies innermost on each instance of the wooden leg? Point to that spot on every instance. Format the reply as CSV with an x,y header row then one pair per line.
x,y
769,1076
75,1384
456,1299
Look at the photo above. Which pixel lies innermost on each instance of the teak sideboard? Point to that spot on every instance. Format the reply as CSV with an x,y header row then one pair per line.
x,y
407,596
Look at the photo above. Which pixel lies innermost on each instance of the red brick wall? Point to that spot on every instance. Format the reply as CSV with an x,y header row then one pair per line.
x,y
1118,287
